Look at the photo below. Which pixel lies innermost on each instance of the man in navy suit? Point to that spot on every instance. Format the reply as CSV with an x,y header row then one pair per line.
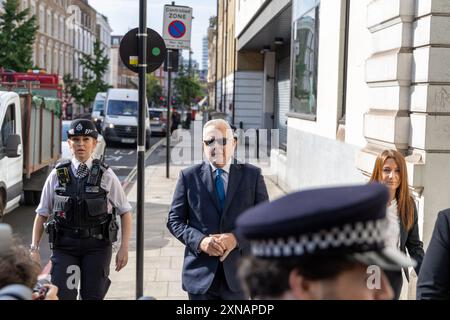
x,y
433,281
207,201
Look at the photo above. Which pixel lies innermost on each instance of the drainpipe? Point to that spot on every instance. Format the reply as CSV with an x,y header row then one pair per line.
x,y
217,55
225,49
234,81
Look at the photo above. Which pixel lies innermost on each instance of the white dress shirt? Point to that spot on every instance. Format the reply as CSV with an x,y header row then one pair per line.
x,y
110,183
393,227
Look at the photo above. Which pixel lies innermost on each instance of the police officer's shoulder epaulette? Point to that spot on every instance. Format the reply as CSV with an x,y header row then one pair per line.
x,y
63,163
102,164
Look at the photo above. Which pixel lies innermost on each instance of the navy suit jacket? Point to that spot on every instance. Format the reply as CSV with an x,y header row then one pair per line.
x,y
410,240
195,214
434,277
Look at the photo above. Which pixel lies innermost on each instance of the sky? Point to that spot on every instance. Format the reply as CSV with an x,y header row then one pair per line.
x,y
123,15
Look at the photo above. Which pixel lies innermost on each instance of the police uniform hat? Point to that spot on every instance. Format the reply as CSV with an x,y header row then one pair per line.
x,y
348,220
82,127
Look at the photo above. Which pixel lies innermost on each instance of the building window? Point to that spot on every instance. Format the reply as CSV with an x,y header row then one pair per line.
x,y
61,29
55,26
55,61
61,63
41,57
33,8
66,61
76,68
49,23
76,39
41,20
67,37
48,67
8,126
304,65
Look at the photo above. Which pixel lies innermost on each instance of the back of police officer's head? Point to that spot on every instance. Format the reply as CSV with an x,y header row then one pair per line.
x,y
327,243
293,278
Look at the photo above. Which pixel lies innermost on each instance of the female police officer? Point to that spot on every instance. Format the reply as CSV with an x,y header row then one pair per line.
x,y
76,205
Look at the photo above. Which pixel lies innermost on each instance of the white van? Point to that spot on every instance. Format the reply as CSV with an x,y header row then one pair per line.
x,y
121,117
99,105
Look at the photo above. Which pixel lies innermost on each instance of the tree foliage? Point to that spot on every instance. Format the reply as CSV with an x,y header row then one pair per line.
x,y
17,36
95,67
154,90
188,88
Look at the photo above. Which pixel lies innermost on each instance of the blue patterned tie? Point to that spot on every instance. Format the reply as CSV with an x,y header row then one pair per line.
x,y
220,188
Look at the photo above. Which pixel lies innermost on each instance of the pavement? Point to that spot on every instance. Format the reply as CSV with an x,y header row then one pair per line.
x,y
163,253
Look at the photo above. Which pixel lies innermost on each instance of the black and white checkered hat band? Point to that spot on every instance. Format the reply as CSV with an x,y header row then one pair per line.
x,y
361,234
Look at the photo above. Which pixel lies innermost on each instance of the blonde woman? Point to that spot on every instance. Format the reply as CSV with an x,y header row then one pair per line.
x,y
403,231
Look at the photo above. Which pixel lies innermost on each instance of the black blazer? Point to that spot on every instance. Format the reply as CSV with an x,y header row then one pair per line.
x,y
434,276
195,214
410,240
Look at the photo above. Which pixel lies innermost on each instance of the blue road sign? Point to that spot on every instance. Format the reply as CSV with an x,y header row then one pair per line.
x,y
177,29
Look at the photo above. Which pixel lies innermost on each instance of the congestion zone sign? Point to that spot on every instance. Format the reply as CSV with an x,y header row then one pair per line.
x,y
177,27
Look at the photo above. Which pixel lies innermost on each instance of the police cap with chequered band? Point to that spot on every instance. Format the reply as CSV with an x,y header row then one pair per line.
x,y
82,127
349,220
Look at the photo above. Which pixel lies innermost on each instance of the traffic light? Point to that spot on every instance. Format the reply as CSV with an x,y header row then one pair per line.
x,y
174,58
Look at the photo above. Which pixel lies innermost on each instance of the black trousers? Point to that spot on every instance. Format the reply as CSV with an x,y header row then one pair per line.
x,y
219,289
84,263
396,280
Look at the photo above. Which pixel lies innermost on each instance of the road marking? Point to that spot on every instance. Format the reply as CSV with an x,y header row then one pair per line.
x,y
119,167
113,158
124,153
133,172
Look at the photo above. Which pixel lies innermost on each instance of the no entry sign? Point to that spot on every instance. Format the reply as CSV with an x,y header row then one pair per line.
x,y
177,27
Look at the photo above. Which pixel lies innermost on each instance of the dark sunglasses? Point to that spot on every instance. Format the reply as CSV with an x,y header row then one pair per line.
x,y
221,141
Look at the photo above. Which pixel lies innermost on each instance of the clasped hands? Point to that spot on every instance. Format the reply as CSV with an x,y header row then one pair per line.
x,y
219,245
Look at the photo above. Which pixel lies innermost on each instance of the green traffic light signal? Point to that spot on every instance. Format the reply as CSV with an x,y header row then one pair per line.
x,y
156,51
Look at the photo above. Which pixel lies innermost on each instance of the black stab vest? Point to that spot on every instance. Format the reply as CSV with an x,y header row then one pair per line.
x,y
78,204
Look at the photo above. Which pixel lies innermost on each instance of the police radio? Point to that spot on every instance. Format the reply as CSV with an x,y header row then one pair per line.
x,y
95,174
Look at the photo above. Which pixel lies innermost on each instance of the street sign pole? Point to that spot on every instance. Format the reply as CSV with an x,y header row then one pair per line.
x,y
169,100
142,68
177,25
133,50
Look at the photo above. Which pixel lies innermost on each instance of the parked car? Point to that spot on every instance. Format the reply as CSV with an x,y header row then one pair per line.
x,y
158,118
65,150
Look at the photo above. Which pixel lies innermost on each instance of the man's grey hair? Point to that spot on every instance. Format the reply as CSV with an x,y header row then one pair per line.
x,y
217,123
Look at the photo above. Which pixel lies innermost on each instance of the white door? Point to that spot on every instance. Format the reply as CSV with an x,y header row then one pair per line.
x,y
10,124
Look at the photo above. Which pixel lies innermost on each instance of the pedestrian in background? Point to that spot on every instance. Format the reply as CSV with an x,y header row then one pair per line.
x,y
434,276
207,200
320,244
403,230
78,204
176,120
